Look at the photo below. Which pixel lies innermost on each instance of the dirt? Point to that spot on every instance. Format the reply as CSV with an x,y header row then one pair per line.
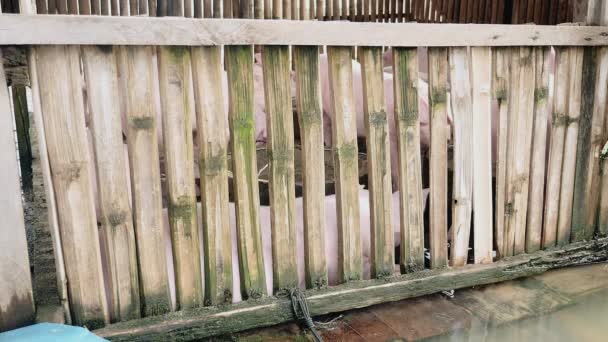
x,y
40,245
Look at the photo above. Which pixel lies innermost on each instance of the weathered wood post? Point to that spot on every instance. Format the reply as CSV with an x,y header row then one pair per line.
x,y
16,300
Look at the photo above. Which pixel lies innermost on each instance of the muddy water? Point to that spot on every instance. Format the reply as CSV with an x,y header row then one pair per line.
x,y
587,321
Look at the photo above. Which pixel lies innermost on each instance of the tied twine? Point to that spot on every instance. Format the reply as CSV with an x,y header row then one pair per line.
x,y
298,300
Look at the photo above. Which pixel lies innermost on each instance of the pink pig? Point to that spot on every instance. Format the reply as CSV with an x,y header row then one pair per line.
x,y
331,240
423,109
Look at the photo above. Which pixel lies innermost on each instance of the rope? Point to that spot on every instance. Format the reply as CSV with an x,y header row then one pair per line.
x,y
299,300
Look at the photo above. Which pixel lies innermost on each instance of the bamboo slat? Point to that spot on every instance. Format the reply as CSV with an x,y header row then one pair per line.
x,y
521,115
379,164
134,7
462,109
308,99
58,75
406,82
177,109
138,97
501,81
481,78
345,163
589,162
279,123
99,64
25,7
566,197
217,240
556,147
438,79
539,150
239,65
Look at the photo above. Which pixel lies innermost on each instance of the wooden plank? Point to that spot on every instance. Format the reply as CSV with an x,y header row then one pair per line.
x,y
438,178
591,141
566,197
462,109
406,82
556,146
501,84
280,145
379,164
481,78
206,322
99,64
310,115
539,150
239,65
104,30
25,7
521,114
177,109
17,301
141,130
344,129
59,74
217,240
277,9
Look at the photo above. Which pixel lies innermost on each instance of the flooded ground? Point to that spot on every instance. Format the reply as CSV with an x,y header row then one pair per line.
x,y
583,321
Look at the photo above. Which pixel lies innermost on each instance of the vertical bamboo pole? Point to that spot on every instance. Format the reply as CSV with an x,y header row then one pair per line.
x,y
99,64
603,200
438,79
59,74
138,97
213,143
124,7
406,82
564,223
501,84
556,147
345,163
25,7
379,164
258,9
133,7
52,7
143,8
481,77
217,10
539,151
279,122
239,65
41,7
310,115
287,9
583,156
462,202
176,103
17,301
521,114
320,8
277,9
227,9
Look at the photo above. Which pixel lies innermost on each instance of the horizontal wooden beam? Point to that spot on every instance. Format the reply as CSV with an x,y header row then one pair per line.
x,y
104,30
210,321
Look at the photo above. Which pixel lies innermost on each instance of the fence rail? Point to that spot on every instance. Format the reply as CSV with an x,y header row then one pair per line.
x,y
102,30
